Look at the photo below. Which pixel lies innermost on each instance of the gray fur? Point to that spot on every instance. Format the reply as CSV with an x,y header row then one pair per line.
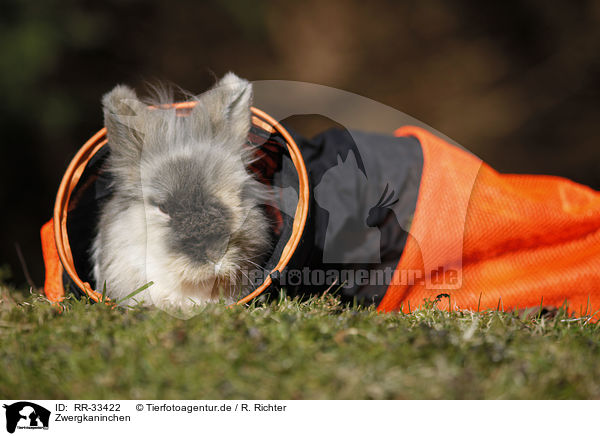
x,y
184,211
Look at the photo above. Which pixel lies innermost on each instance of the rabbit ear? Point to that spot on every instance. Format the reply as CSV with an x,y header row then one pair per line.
x,y
123,114
238,98
228,104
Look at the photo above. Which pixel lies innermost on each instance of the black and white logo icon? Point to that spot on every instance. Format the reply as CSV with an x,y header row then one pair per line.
x,y
26,415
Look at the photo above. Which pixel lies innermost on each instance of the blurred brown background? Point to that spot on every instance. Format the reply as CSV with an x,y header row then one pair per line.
x,y
516,82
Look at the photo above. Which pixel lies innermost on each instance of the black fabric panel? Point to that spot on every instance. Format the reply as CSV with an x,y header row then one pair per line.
x,y
70,287
284,176
84,212
349,173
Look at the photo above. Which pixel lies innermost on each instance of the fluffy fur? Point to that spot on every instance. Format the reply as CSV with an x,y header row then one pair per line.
x,y
184,210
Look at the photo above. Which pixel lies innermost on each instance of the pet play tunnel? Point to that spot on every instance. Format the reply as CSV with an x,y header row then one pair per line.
x,y
404,218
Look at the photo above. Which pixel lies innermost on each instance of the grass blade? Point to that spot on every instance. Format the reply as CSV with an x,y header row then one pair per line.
x,y
134,293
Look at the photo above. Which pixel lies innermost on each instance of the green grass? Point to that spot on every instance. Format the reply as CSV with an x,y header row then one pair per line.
x,y
290,350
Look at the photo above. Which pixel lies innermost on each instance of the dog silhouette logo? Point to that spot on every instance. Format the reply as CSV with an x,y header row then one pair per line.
x,y
26,415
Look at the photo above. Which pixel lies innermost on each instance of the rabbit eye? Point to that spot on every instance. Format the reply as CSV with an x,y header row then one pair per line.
x,y
163,209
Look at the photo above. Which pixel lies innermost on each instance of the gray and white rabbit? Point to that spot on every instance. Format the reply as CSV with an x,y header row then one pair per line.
x,y
184,210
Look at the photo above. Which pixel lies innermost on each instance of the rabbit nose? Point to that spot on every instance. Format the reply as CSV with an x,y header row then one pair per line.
x,y
201,240
210,250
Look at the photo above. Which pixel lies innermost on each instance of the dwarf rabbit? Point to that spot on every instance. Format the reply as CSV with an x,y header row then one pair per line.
x,y
184,209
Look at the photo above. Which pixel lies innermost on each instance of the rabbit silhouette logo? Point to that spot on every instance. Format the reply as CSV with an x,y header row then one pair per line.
x,y
26,415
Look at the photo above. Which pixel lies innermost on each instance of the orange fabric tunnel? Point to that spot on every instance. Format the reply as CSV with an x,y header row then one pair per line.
x,y
509,241
442,221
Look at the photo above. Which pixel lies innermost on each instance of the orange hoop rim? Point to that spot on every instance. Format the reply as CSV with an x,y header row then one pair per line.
x,y
77,165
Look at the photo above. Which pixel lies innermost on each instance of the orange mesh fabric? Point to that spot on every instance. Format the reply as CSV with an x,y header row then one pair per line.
x,y
518,240
53,284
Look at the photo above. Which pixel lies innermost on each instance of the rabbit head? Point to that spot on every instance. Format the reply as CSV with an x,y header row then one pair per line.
x,y
181,185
